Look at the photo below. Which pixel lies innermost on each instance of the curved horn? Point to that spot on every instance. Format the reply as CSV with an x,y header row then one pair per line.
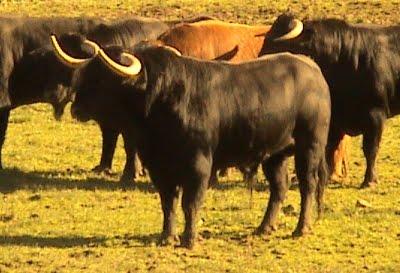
x,y
173,49
69,60
296,31
126,71
95,47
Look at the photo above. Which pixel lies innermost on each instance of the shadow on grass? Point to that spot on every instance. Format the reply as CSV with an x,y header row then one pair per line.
x,y
243,238
234,184
13,179
143,239
56,242
338,185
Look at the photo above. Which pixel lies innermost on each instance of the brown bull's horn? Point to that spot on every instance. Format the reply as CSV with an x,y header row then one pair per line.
x,y
69,60
173,49
296,31
126,71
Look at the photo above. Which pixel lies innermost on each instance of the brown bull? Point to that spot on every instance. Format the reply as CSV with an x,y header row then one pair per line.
x,y
217,40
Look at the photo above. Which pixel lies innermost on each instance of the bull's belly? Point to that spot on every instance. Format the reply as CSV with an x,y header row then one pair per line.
x,y
352,125
245,154
173,156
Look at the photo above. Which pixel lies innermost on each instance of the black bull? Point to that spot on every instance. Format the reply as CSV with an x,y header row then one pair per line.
x,y
35,75
362,67
19,36
190,117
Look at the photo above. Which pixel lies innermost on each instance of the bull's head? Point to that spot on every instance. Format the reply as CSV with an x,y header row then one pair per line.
x,y
40,77
101,89
58,67
104,85
135,66
287,34
94,83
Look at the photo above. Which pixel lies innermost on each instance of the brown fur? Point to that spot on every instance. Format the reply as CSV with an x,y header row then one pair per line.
x,y
212,39
341,159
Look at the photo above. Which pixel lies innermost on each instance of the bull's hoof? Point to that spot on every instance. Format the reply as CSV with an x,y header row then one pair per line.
x,y
127,179
299,232
213,183
369,184
187,241
335,178
127,182
187,244
102,169
167,240
267,230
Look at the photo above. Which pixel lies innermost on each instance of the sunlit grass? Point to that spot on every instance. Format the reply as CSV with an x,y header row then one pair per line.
x,y
57,216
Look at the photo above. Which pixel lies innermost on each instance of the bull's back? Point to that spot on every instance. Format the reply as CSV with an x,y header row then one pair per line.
x,y
258,108
283,89
128,32
215,39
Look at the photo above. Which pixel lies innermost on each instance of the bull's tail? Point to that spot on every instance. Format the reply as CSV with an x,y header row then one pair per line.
x,y
322,181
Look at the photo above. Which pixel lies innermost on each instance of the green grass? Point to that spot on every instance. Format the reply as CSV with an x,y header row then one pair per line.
x,y
56,216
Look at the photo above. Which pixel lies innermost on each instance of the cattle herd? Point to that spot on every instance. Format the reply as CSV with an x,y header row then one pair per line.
x,y
200,95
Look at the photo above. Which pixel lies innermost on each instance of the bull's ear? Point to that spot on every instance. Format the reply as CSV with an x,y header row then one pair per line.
x,y
307,33
139,83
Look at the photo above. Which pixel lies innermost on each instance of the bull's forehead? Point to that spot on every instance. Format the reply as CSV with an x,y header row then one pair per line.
x,y
90,73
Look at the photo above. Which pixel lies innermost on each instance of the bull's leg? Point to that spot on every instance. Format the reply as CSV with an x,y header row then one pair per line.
x,y
169,200
192,198
139,167
275,170
129,172
371,139
4,115
307,162
340,159
213,182
322,181
334,139
109,138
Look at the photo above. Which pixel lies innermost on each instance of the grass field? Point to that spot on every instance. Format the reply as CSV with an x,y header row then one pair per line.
x,y
57,216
